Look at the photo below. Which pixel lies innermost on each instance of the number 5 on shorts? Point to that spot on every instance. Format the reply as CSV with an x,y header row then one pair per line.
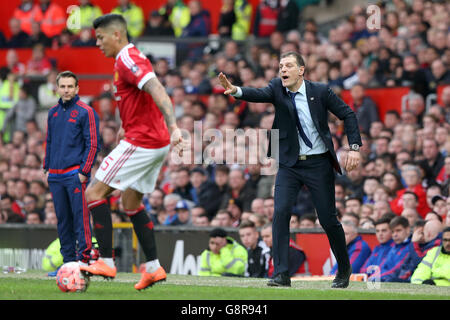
x,y
106,163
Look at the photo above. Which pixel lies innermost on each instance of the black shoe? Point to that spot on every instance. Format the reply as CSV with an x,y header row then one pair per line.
x,y
280,280
342,280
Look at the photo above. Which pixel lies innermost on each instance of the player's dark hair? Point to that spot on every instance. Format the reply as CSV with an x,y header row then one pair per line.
x,y
67,74
109,19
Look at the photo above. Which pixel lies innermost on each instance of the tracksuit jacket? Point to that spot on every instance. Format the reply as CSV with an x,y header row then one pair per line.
x,y
394,260
358,252
416,253
378,255
72,144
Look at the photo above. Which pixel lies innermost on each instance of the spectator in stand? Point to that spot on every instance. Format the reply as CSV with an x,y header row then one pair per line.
x,y
437,75
183,186
154,203
366,110
33,218
14,213
241,27
182,215
205,193
235,208
201,221
239,189
134,16
269,208
266,18
257,250
434,269
288,16
227,19
23,111
13,64
358,250
37,36
411,214
88,12
39,64
224,256
53,18
170,203
26,13
176,14
18,38
199,26
411,175
84,39
433,162
224,218
353,204
398,254
379,253
156,26
9,96
307,221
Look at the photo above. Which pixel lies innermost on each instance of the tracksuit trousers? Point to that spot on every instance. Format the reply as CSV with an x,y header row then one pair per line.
x,y
74,228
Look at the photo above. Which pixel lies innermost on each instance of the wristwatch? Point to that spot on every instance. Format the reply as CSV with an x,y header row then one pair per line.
x,y
354,147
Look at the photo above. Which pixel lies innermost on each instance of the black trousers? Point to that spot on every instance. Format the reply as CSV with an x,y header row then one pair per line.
x,y
318,175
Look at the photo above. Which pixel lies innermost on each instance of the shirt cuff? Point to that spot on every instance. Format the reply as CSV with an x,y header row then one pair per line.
x,y
145,78
238,93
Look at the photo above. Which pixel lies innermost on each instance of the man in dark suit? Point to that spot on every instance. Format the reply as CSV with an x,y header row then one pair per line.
x,y
306,156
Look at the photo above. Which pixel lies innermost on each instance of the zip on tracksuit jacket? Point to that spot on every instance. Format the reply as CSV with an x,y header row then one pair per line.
x,y
71,148
378,256
72,142
358,252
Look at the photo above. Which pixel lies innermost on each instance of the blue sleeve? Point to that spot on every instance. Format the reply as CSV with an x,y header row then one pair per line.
x,y
45,164
90,128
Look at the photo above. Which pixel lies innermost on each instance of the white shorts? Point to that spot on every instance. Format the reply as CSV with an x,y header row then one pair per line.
x,y
129,166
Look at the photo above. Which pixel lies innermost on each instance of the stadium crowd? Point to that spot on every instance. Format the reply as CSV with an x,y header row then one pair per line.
x,y
402,183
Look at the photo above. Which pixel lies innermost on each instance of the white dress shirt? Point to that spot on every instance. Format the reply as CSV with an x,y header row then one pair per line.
x,y
301,104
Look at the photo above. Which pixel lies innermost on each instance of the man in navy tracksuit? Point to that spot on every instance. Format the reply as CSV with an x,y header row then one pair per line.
x,y
71,148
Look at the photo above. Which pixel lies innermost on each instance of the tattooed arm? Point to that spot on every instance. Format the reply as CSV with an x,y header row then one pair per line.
x,y
162,100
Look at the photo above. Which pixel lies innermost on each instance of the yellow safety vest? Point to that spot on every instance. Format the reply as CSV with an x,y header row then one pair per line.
x,y
134,17
88,14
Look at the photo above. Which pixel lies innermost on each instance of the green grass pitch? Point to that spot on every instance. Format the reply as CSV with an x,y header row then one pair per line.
x,y
35,285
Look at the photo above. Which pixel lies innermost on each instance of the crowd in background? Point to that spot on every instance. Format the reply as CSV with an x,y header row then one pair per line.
x,y
406,156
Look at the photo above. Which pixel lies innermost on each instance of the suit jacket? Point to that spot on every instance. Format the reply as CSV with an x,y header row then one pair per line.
x,y
321,99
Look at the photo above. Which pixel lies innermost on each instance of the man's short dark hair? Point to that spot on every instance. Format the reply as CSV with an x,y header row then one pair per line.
x,y
296,55
382,220
308,216
447,229
399,221
218,232
67,74
109,19
394,113
413,193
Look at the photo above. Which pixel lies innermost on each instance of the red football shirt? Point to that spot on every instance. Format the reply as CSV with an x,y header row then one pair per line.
x,y
142,120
